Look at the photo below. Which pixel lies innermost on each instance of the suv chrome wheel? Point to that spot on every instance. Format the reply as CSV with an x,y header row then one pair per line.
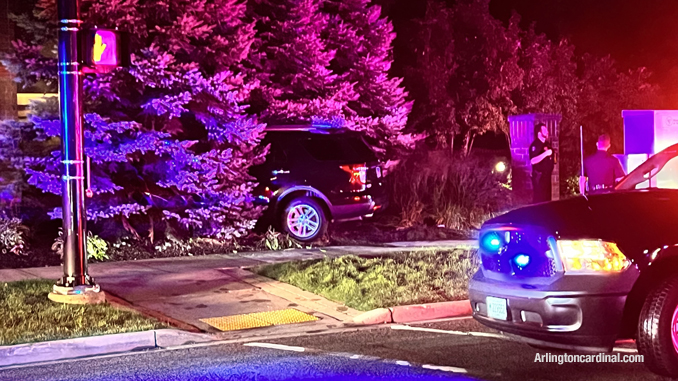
x,y
304,219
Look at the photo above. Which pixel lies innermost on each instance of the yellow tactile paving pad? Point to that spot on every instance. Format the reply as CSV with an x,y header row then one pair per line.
x,y
259,319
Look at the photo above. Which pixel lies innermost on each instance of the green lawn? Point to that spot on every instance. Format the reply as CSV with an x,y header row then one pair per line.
x,y
26,315
365,284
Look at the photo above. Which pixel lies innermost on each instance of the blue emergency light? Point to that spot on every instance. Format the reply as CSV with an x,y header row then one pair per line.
x,y
491,242
521,260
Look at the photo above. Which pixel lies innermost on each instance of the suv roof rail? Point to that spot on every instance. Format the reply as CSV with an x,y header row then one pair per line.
x,y
314,128
290,127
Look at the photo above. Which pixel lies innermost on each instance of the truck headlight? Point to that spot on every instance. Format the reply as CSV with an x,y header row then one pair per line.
x,y
591,256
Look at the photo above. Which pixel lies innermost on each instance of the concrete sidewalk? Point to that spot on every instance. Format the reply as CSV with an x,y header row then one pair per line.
x,y
188,289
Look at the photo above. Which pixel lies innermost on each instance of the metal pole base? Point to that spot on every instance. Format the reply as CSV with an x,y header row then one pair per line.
x,y
77,295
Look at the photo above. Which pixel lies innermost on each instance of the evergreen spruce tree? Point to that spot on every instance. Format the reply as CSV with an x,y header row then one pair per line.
x,y
363,41
330,60
292,61
169,138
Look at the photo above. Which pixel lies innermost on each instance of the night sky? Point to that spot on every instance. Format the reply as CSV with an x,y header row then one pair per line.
x,y
634,32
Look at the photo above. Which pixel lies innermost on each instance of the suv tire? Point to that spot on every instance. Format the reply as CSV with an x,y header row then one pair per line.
x,y
658,329
304,219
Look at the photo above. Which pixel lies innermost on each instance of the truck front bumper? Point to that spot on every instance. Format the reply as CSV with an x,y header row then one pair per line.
x,y
560,319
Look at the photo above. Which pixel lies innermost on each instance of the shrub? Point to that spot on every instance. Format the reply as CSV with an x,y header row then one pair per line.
x,y
457,192
12,236
273,240
129,248
97,247
571,186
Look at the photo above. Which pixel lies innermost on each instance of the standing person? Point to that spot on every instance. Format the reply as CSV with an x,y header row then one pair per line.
x,y
601,170
541,158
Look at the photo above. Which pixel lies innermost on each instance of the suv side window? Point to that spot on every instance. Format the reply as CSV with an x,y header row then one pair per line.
x,y
338,148
323,149
276,154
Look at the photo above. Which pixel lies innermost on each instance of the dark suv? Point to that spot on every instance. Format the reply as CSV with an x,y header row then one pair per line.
x,y
316,174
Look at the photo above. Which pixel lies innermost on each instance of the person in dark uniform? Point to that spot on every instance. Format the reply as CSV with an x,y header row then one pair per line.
x,y
601,170
541,158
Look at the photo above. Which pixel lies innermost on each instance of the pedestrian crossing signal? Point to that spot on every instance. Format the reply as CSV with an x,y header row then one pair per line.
x,y
104,49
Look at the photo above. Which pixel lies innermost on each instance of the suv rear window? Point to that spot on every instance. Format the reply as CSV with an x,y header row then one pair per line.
x,y
338,148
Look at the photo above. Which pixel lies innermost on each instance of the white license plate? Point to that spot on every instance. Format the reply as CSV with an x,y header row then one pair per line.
x,y
496,308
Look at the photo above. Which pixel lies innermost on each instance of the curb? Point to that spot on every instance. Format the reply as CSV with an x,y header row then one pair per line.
x,y
414,313
96,345
435,244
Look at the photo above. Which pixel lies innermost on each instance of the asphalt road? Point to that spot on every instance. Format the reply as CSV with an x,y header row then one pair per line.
x,y
429,352
226,362
487,358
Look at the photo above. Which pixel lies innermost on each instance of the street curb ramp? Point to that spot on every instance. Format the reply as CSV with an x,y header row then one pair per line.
x,y
414,313
96,345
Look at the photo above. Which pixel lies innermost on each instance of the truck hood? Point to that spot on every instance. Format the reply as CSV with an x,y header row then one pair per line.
x,y
636,220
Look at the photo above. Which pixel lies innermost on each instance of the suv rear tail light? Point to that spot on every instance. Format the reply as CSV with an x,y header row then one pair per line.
x,y
358,174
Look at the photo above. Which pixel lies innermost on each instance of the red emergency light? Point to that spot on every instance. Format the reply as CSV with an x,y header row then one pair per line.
x,y
104,49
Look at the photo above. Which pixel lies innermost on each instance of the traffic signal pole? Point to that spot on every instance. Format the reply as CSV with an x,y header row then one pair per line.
x,y
75,286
